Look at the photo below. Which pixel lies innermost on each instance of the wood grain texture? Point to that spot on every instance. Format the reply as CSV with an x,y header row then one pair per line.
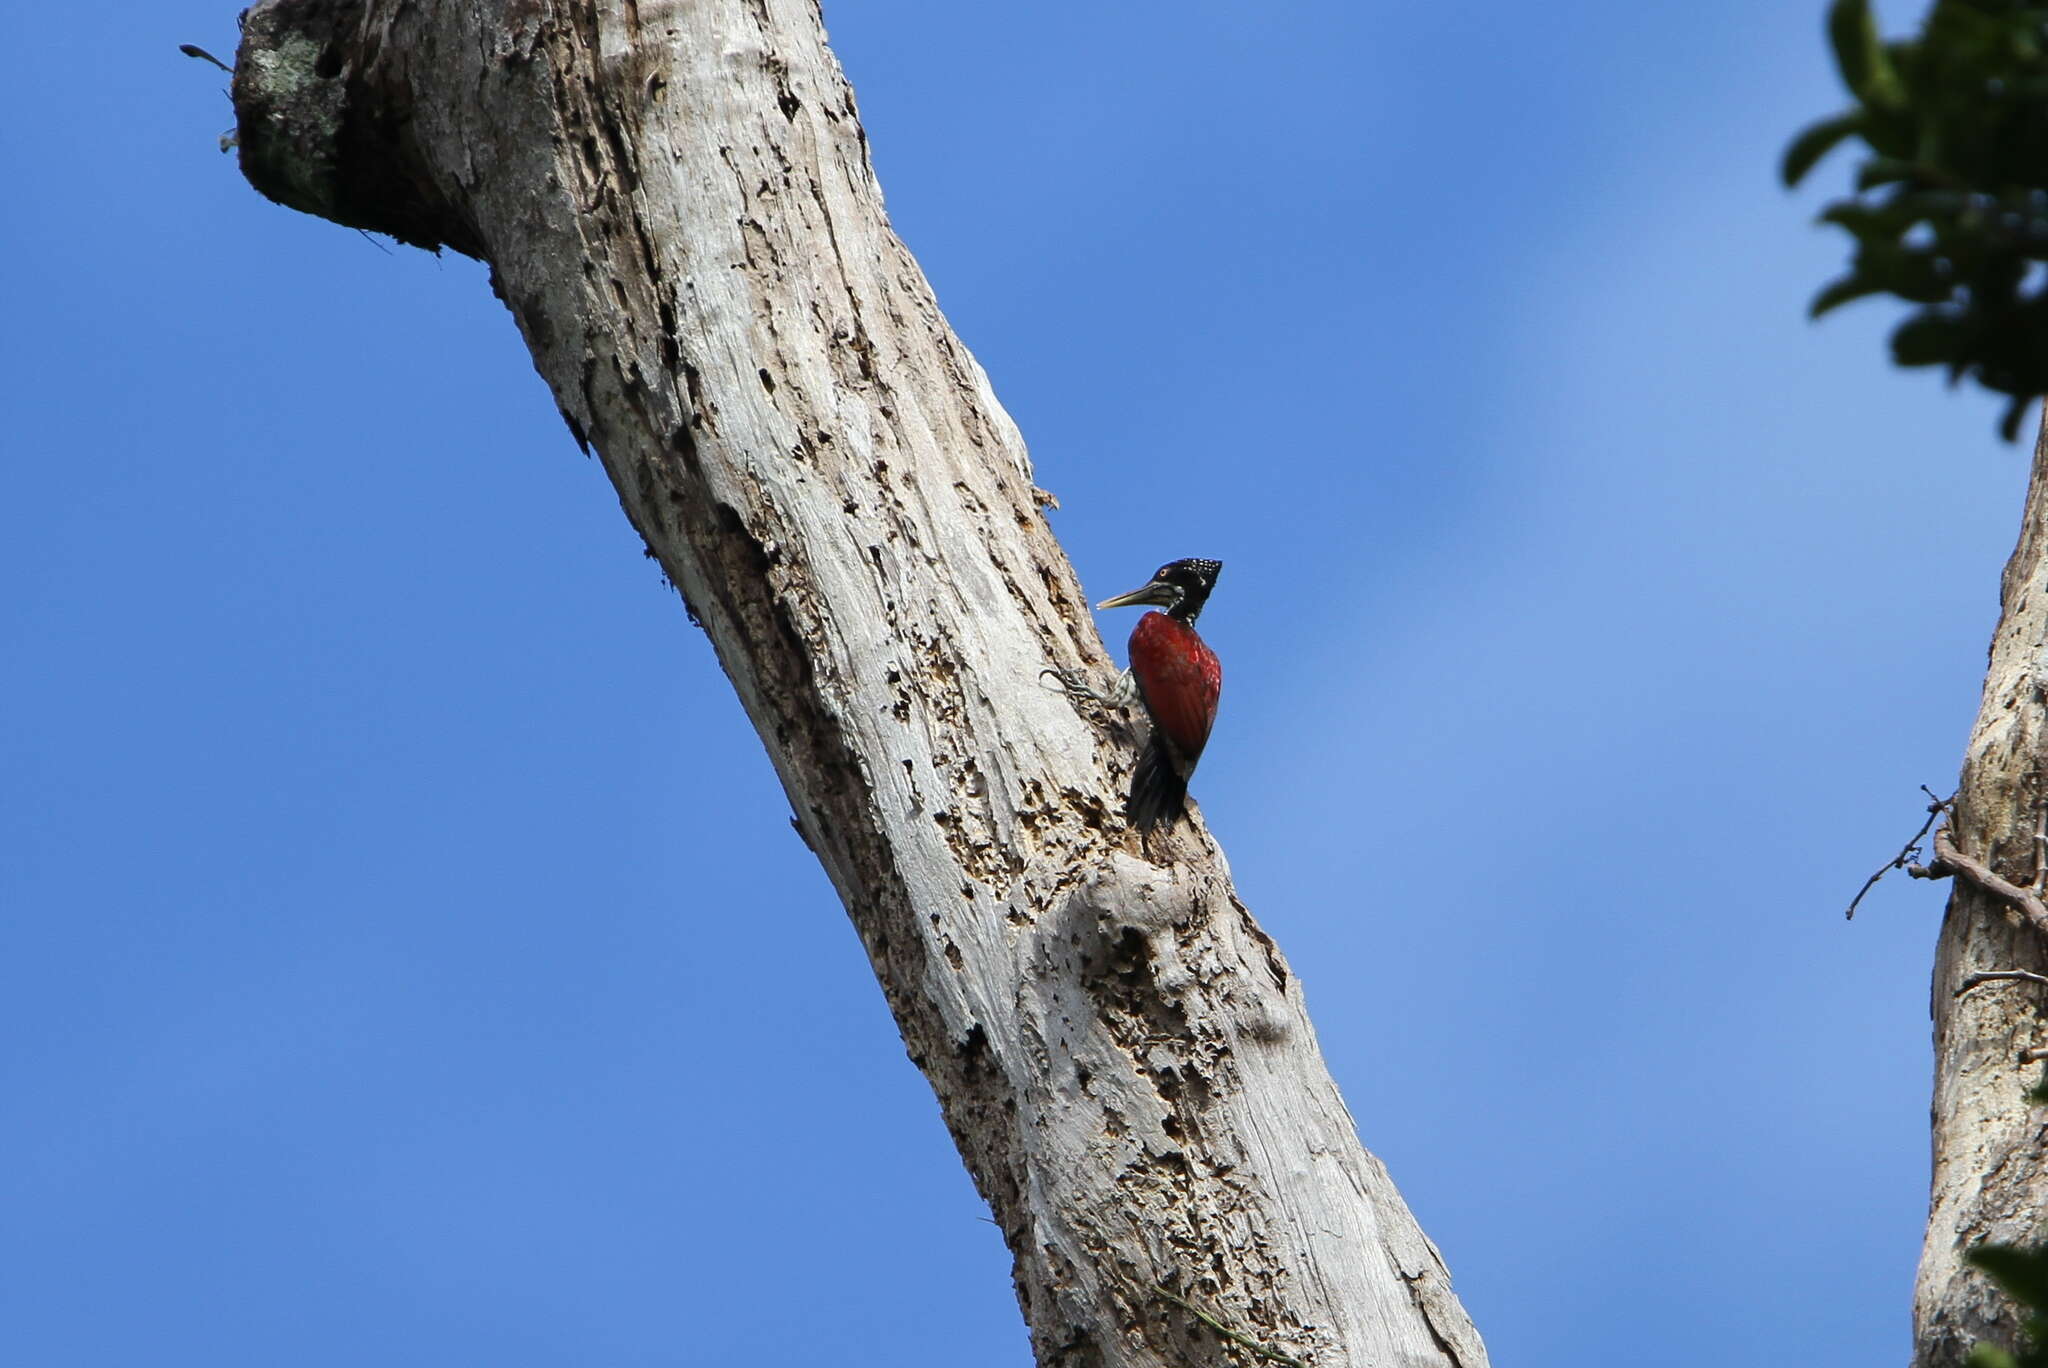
x,y
677,206
1989,1181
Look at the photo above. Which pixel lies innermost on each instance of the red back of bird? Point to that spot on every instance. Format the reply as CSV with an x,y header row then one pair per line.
x,y
1179,679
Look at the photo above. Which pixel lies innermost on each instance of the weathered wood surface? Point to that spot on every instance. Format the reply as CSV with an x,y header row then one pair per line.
x,y
1989,1179
677,205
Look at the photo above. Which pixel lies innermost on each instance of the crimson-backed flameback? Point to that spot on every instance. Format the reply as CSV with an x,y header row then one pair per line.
x,y
1178,679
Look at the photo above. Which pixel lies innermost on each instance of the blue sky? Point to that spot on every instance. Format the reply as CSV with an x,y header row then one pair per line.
x,y
404,953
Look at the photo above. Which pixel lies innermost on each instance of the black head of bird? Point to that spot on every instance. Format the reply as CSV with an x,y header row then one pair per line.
x,y
1180,587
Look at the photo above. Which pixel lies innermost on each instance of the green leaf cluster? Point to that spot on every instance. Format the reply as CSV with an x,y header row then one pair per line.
x,y
2023,1273
1950,211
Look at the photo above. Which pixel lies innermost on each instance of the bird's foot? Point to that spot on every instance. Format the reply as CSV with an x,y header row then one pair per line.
x,y
1074,686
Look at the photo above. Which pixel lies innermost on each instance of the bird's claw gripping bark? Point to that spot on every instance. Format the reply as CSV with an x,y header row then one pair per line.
x,y
1069,683
1074,686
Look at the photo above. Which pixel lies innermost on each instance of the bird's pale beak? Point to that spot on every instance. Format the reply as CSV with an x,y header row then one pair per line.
x,y
1157,594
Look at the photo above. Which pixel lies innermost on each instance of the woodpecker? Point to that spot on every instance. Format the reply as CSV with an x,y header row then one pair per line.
x,y
1178,679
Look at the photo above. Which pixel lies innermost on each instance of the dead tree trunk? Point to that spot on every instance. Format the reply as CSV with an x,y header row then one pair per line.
x,y
676,203
1989,1179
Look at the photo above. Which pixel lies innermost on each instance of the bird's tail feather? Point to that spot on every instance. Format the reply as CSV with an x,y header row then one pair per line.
x,y
1159,791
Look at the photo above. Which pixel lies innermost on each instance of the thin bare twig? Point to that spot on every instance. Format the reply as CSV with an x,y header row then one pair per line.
x,y
2041,851
1911,851
1985,976
1220,1328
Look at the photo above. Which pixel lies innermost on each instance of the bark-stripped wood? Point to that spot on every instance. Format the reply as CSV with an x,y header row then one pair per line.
x,y
677,206
1989,1179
